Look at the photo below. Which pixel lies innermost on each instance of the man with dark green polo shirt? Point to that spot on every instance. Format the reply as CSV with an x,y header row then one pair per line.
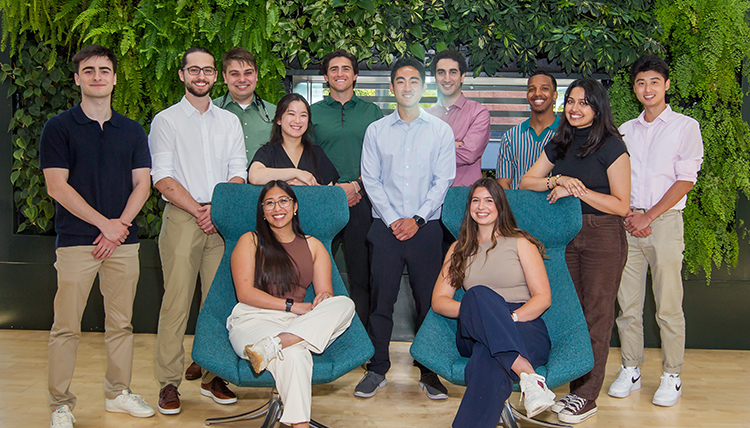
x,y
256,115
339,122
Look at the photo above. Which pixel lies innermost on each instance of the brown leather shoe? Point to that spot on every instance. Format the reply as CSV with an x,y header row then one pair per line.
x,y
217,389
193,372
169,400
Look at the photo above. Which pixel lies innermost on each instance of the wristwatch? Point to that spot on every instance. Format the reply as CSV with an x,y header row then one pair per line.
x,y
419,220
289,303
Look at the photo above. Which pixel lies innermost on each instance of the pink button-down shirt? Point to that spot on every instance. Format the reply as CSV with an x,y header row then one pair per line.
x,y
470,122
667,150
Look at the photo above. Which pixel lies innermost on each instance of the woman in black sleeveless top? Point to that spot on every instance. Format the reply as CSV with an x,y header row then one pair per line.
x,y
587,159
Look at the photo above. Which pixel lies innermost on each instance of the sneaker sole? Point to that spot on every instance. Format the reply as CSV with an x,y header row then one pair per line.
x,y
576,419
670,403
439,396
255,360
361,394
530,413
624,394
169,411
207,393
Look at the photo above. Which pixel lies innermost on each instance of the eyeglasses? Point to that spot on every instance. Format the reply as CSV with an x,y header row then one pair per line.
x,y
269,204
195,70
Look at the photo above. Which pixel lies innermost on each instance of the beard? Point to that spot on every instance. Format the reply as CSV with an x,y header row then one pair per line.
x,y
199,92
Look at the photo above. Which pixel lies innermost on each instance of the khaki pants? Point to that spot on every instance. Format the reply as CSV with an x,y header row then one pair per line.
x,y
118,279
185,250
662,250
293,375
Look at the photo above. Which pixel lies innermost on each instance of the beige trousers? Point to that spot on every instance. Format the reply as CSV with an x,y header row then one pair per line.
x,y
185,250
293,374
662,250
118,278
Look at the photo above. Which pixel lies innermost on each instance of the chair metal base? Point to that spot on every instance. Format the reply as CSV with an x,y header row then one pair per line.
x,y
511,415
271,409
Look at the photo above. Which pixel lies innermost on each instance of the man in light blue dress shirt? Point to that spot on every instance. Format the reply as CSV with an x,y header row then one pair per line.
x,y
408,164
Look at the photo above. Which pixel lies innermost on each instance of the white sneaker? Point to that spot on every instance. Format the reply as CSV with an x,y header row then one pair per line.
x,y
628,380
670,390
62,418
263,352
129,403
536,396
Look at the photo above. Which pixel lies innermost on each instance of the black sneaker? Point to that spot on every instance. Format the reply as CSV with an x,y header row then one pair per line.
x,y
432,385
369,384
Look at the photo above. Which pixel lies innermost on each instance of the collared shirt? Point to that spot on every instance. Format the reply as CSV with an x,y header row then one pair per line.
x,y
667,150
520,148
470,122
255,120
407,168
100,161
197,150
339,130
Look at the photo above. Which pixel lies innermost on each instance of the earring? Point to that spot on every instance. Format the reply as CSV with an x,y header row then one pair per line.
x,y
295,213
264,218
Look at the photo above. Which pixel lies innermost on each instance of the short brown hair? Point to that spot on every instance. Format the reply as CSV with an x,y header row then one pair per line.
x,y
91,51
239,55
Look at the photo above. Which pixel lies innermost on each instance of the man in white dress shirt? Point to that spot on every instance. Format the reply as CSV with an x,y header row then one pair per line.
x,y
666,152
194,146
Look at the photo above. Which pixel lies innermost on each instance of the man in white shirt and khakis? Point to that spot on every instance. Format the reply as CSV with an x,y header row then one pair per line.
x,y
666,152
194,146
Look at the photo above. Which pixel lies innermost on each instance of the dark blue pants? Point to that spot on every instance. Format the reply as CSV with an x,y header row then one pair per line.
x,y
492,341
421,255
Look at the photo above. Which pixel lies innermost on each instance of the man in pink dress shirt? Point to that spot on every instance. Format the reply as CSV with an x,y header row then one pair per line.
x,y
469,120
666,152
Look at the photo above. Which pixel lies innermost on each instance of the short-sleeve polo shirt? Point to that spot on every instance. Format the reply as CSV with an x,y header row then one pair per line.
x,y
99,161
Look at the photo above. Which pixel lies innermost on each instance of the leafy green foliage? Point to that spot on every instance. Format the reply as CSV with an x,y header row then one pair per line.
x,y
707,42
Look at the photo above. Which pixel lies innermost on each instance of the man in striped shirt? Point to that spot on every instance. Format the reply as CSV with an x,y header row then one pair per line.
x,y
522,144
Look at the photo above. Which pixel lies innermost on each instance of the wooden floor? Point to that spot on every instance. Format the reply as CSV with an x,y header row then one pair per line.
x,y
716,392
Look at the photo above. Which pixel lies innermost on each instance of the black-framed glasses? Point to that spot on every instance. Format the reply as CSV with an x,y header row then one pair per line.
x,y
269,204
195,70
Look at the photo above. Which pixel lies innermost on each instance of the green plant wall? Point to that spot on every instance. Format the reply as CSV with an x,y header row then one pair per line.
x,y
576,37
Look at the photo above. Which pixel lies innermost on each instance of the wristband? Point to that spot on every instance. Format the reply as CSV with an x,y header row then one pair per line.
x,y
514,315
289,303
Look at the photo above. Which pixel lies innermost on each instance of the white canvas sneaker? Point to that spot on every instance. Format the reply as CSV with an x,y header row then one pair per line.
x,y
129,403
62,418
536,396
628,380
670,390
261,353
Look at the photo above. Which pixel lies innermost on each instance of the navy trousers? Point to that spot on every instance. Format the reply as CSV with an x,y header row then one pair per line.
x,y
488,336
421,255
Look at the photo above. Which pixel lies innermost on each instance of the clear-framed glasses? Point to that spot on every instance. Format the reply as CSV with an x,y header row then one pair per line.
x,y
269,204
195,70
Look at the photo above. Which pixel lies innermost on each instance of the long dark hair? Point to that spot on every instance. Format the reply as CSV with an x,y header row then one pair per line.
x,y
467,244
602,127
275,271
277,138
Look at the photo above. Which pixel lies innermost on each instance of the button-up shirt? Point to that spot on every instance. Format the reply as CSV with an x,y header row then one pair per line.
x,y
256,121
470,122
667,150
197,150
340,128
520,148
407,168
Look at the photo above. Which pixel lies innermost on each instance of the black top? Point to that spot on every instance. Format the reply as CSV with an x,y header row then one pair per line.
x,y
99,163
591,170
313,161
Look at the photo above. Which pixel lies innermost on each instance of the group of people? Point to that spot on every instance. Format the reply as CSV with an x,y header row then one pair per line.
x,y
395,172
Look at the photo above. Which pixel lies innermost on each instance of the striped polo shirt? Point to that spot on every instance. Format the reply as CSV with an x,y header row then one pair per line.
x,y
520,148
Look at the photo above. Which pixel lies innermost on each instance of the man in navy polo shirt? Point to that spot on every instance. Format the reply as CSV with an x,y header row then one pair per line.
x,y
96,164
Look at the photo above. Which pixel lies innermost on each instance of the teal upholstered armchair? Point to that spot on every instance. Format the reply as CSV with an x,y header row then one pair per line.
x,y
323,213
555,225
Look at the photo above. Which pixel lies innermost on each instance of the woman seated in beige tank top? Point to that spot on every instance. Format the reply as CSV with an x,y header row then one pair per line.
x,y
272,325
499,326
